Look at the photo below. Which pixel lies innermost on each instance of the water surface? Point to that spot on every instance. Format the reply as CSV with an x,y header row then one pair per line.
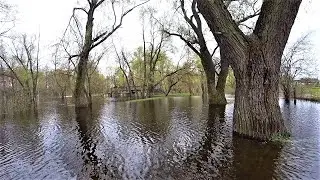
x,y
171,138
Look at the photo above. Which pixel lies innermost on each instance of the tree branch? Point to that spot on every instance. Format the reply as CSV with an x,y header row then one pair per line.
x,y
248,17
82,9
185,40
105,35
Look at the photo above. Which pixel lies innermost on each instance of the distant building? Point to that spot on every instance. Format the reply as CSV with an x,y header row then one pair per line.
x,y
308,81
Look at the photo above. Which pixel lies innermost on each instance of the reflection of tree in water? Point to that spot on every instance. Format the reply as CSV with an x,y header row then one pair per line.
x,y
89,146
254,160
153,116
222,156
213,156
95,167
215,152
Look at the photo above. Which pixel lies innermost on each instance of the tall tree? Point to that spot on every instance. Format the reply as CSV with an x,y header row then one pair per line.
x,y
155,48
256,60
89,41
196,41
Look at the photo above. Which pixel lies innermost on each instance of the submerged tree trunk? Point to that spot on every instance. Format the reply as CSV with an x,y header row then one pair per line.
x,y
255,59
295,95
286,87
257,112
216,93
222,79
80,95
286,93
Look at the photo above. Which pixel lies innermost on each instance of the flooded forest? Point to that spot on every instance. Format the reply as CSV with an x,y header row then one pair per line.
x,y
159,89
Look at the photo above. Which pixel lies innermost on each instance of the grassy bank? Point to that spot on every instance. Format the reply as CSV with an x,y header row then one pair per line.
x,y
313,99
308,93
160,96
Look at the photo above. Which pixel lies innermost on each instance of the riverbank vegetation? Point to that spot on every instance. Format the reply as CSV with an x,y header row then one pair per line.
x,y
235,47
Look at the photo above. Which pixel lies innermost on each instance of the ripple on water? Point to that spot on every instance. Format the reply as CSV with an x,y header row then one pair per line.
x,y
174,138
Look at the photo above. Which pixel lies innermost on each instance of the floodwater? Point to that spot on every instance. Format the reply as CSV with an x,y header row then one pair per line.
x,y
172,138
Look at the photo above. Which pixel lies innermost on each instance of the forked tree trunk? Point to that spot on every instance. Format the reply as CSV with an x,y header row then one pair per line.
x,y
255,60
216,93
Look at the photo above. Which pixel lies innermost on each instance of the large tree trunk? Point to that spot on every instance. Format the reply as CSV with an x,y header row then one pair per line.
x,y
255,60
257,112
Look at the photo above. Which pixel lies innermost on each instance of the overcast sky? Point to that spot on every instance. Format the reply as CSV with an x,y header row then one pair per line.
x,y
50,17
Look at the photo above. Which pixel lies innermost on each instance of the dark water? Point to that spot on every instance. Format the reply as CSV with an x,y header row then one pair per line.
x,y
174,138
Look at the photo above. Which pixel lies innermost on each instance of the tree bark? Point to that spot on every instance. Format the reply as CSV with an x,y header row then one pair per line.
x,y
257,112
255,59
222,78
80,95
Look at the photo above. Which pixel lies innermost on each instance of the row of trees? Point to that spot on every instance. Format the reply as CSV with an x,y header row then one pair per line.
x,y
23,81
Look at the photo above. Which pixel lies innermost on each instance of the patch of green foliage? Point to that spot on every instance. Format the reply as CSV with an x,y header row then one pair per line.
x,y
281,137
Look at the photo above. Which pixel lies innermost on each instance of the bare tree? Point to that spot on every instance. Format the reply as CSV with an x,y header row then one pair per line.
x,y
256,60
7,18
153,49
296,61
63,72
90,41
197,42
25,53
125,67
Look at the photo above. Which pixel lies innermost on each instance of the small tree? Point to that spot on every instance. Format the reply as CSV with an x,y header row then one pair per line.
x,y
296,61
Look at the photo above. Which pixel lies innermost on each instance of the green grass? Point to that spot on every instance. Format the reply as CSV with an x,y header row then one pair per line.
x,y
281,137
311,93
315,91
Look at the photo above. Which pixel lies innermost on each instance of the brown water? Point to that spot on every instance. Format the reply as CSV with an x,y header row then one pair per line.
x,y
173,138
